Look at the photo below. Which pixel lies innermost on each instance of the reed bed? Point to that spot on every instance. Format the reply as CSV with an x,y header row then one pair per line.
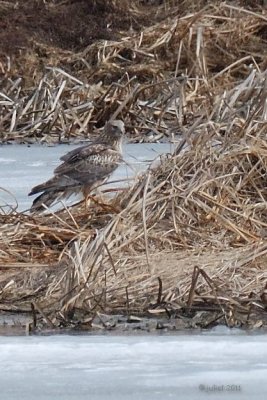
x,y
189,237
190,233
188,57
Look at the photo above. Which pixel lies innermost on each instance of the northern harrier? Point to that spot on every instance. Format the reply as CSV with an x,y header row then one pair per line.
x,y
84,168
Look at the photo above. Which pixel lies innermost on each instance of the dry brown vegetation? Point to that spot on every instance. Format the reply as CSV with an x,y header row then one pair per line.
x,y
190,235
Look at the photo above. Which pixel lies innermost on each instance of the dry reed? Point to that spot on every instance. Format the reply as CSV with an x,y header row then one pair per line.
x,y
190,235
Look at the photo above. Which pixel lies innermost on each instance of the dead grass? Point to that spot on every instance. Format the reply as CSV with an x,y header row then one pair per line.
x,y
187,58
190,235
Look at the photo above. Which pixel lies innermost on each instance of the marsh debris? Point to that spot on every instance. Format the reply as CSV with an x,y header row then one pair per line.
x,y
188,240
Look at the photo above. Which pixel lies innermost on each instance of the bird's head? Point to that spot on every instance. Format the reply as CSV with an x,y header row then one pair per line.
x,y
115,128
113,133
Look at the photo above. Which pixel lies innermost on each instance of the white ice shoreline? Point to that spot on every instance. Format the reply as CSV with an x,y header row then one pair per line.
x,y
212,366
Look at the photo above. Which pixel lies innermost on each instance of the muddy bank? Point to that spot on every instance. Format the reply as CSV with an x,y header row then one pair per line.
x,y
12,323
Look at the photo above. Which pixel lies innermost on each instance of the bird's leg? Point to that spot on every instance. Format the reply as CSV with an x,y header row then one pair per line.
x,y
87,198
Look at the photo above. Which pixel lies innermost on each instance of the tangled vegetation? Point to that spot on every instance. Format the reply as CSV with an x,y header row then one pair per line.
x,y
190,236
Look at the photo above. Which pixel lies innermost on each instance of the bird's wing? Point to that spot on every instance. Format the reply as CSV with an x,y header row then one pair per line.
x,y
86,166
80,153
71,154
90,164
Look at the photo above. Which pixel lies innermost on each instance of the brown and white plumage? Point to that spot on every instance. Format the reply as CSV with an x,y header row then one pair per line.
x,y
84,168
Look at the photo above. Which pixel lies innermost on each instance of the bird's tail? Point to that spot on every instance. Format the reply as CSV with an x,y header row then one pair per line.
x,y
44,200
51,184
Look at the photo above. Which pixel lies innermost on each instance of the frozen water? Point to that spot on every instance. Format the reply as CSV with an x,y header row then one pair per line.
x,y
191,367
22,167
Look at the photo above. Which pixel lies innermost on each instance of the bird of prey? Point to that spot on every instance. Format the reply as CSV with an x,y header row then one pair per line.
x,y
83,169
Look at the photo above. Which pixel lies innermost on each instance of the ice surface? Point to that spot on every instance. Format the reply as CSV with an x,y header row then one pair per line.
x,y
212,366
22,167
